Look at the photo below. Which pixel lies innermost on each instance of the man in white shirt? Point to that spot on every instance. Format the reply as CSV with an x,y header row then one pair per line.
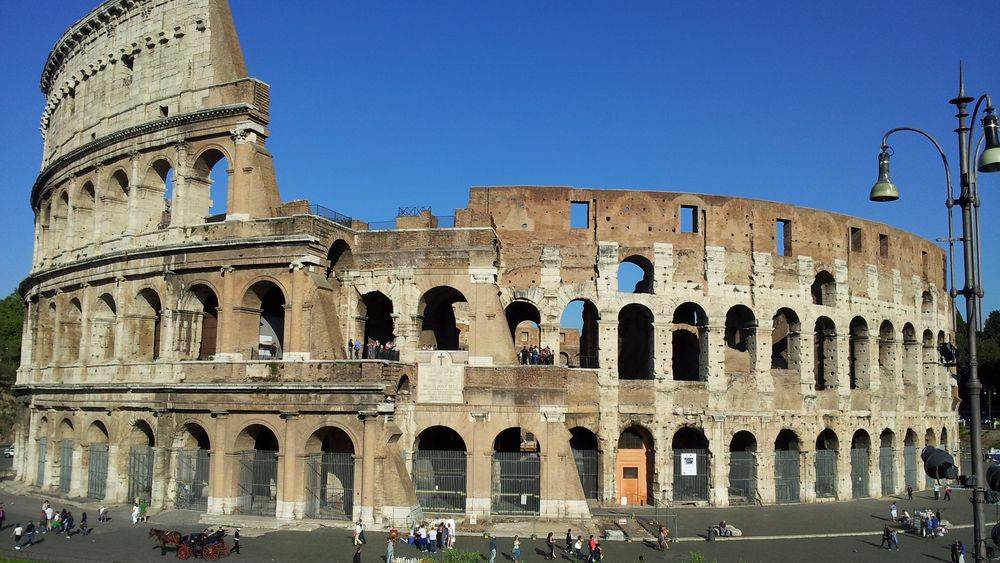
x,y
49,515
358,529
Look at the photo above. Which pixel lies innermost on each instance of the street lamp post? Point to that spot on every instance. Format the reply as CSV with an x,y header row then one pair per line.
x,y
972,291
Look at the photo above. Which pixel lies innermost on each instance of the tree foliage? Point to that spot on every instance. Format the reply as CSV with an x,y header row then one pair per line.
x,y
11,319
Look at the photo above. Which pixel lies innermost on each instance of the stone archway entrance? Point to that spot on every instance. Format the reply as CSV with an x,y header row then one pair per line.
x,y
635,466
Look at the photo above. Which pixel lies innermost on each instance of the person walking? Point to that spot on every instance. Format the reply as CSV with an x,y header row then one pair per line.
x,y
591,548
18,533
389,548
358,530
236,541
947,492
68,524
515,552
569,540
578,548
886,538
550,545
956,547
49,515
493,549
432,538
909,491
357,555
894,539
350,348
143,510
937,490
598,554
661,538
84,529
135,514
893,512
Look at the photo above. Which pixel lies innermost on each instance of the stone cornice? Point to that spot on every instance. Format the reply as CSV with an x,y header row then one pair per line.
x,y
221,387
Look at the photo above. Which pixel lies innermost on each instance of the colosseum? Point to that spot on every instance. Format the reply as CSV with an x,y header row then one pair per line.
x,y
186,340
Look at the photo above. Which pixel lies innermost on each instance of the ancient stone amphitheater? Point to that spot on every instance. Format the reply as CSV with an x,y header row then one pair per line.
x,y
186,339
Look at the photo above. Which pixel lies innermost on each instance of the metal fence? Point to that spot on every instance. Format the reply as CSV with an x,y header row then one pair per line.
x,y
742,476
826,473
193,469
140,473
330,214
97,471
910,466
40,469
587,464
65,465
690,474
887,468
859,473
787,479
257,487
330,485
516,483
439,477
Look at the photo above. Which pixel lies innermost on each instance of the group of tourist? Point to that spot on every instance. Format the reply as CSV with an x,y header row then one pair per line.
x,y
433,537
533,355
49,521
372,350
140,511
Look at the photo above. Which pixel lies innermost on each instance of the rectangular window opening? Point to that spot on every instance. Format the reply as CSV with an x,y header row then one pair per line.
x,y
579,214
923,262
164,111
883,246
783,237
689,218
856,239
630,472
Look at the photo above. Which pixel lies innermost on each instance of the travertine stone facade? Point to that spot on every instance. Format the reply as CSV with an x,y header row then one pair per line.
x,y
778,354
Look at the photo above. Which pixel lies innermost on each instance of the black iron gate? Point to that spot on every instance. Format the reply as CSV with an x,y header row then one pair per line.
x,y
516,483
193,468
140,473
40,469
690,475
910,466
742,477
587,463
826,473
787,479
258,483
439,477
97,471
65,465
887,468
859,473
330,485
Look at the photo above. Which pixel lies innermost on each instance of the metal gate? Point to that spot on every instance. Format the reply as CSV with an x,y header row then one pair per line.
x,y
330,485
40,470
258,483
859,473
586,466
65,465
887,467
439,477
742,476
140,473
97,471
826,473
786,475
910,466
690,475
516,483
193,468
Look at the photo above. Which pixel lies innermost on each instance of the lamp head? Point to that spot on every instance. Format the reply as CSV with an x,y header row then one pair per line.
x,y
990,159
884,189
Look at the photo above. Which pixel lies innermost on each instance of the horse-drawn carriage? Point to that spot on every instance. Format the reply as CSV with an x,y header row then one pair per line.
x,y
204,546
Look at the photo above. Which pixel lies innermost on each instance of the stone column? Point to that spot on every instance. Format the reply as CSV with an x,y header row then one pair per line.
x,y
719,462
117,474
766,472
173,463
843,370
78,479
161,472
717,380
844,468
134,195
807,364
370,439
69,236
807,476
899,464
291,501
294,327
550,337
874,470
229,319
221,483
762,356
479,468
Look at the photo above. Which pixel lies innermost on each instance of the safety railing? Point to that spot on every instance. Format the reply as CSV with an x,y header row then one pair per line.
x,y
330,214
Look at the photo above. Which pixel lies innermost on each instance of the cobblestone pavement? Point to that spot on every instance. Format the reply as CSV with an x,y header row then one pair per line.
x,y
120,541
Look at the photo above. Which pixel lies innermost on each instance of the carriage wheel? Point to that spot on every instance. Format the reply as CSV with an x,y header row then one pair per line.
x,y
223,549
210,553
183,552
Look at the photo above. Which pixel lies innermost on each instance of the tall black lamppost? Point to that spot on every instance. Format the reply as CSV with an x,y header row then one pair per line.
x,y
972,290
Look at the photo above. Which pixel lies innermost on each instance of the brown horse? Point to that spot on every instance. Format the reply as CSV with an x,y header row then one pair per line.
x,y
165,538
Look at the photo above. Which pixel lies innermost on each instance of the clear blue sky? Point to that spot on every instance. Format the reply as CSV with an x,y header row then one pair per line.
x,y
377,105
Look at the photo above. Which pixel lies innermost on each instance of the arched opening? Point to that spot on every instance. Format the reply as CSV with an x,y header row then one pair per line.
x,y
910,456
742,468
339,258
825,354
691,463
827,447
944,440
115,200
741,340
887,352
859,354
102,330
379,339
70,328
330,474
926,302
787,475
860,448
524,323
257,471
66,446
83,214
886,462
824,289
155,205
264,305
148,317
635,275
635,466
198,324
140,461
516,473
208,187
97,464
403,386
579,324
635,342
583,442
194,461
785,340
444,311
439,470
689,343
